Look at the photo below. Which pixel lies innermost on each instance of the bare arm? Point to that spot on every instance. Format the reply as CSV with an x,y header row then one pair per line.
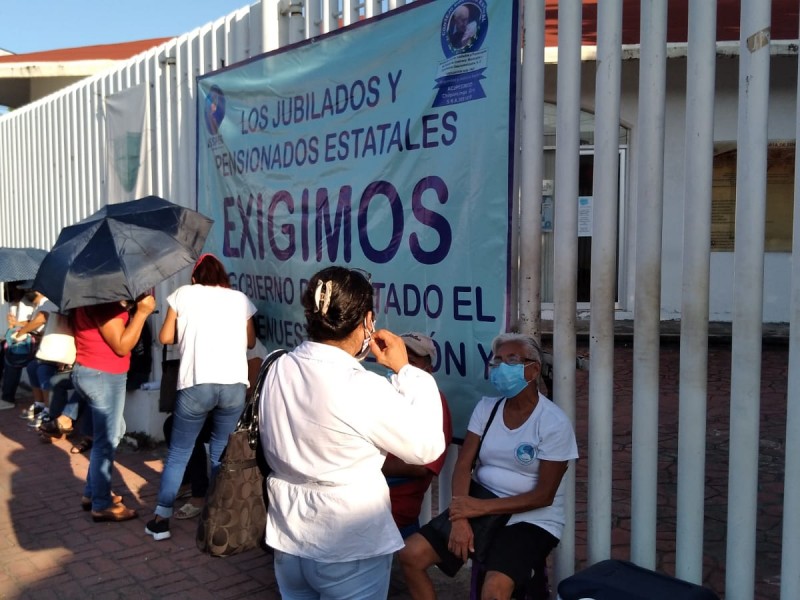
x,y
251,333
169,334
121,338
37,321
550,475
461,541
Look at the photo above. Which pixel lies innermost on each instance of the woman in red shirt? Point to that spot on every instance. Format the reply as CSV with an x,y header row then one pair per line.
x,y
104,337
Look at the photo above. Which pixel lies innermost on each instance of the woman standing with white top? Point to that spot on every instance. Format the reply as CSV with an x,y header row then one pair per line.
x,y
326,426
213,327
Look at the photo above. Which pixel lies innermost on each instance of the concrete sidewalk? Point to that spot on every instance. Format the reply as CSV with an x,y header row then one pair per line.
x,y
50,548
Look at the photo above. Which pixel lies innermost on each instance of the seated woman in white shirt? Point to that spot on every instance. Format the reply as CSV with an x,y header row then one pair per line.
x,y
326,425
517,447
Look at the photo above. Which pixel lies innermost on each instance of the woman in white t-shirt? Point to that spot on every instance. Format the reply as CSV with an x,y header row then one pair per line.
x,y
213,327
527,444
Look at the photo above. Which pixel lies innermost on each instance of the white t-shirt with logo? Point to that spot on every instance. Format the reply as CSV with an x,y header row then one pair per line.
x,y
508,464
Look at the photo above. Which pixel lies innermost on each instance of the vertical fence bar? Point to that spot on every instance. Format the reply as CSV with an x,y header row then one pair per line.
x,y
568,112
698,166
748,281
604,276
650,198
532,139
790,555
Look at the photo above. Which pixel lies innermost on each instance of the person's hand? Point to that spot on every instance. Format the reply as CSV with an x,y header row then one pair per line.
x,y
462,540
465,507
12,320
19,337
146,304
389,350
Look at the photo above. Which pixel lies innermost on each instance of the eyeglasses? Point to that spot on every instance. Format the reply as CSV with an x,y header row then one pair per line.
x,y
511,359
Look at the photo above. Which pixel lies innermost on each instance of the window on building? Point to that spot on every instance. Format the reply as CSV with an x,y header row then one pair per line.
x,y
780,197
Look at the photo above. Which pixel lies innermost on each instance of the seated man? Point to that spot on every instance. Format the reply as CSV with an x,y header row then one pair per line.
x,y
408,483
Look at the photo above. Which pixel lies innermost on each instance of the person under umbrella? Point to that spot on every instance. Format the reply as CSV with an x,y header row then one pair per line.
x,y
39,372
105,334
20,311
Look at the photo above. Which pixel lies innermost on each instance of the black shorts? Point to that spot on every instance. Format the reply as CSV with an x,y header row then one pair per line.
x,y
516,550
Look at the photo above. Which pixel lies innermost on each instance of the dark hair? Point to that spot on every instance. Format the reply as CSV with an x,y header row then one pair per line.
x,y
349,302
208,270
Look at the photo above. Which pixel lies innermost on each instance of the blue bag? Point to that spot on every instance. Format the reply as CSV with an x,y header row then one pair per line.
x,y
19,352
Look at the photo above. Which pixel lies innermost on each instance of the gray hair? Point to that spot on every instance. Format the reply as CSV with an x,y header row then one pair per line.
x,y
534,351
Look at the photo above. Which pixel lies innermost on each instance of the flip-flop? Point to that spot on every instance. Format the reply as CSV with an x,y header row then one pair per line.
x,y
187,511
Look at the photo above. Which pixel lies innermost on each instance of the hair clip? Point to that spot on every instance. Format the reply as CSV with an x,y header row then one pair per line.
x,y
323,297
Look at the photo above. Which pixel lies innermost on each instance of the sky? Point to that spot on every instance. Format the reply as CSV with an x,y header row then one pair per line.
x,y
36,25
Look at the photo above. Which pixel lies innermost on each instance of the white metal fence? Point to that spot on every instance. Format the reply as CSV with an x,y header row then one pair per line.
x,y
52,173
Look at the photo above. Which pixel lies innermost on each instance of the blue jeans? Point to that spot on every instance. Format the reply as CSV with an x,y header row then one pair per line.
x,y
40,372
192,406
61,401
105,396
307,579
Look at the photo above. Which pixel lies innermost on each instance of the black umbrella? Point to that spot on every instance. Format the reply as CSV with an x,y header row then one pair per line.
x,y
17,264
120,252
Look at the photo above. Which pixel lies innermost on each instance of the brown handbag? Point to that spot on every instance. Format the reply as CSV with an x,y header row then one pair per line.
x,y
235,515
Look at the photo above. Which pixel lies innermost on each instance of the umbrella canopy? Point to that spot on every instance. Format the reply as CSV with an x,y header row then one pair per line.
x,y
17,264
120,252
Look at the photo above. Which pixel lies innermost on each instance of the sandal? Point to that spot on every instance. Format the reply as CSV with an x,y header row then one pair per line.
x,y
54,429
83,446
188,511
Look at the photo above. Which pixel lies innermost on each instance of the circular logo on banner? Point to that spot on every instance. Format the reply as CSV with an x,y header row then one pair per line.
x,y
214,109
464,27
525,453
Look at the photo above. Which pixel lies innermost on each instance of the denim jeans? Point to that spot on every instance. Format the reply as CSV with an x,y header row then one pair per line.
x,y
225,403
40,372
307,579
105,396
61,401
196,472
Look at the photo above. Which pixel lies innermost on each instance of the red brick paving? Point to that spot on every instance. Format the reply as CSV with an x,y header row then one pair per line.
x,y
772,434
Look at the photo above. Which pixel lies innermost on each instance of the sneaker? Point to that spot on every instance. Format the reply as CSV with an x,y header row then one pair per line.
x,y
32,411
158,529
37,420
6,405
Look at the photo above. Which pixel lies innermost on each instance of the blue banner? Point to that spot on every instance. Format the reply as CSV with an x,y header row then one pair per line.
x,y
386,146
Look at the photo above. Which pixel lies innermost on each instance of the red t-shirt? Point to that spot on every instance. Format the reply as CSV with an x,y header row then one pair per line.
x,y
91,349
407,493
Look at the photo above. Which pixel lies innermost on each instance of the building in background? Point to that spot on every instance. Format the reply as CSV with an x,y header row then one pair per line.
x,y
25,78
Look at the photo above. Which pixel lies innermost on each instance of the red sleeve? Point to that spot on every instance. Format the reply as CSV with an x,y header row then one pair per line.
x,y
447,427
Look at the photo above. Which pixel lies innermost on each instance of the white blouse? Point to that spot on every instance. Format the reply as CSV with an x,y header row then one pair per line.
x,y
326,426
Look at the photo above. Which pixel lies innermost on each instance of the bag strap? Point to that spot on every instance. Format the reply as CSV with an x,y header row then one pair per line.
x,y
249,418
485,429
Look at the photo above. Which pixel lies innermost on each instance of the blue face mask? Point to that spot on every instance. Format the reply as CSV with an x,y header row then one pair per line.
x,y
509,380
